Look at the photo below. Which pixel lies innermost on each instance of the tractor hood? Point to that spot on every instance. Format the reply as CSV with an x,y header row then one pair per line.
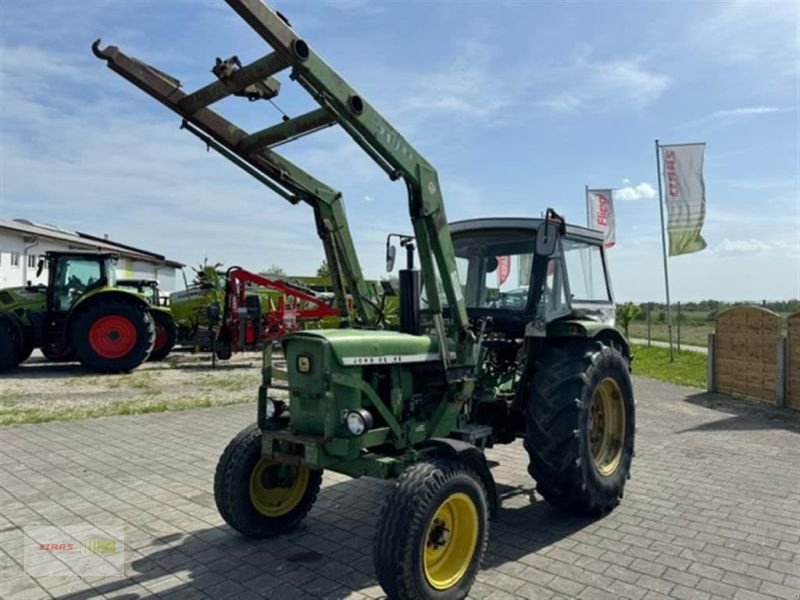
x,y
359,347
22,297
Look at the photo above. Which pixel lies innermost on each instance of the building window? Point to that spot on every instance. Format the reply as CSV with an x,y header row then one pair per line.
x,y
31,261
15,259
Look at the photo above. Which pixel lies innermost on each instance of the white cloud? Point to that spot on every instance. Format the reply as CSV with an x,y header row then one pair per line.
x,y
728,247
735,113
602,85
635,192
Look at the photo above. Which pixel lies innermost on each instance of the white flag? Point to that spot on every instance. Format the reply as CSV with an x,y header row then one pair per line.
x,y
685,196
601,214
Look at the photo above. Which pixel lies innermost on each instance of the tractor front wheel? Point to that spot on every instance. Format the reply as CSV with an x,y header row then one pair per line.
x,y
56,353
580,427
257,496
166,334
113,336
432,532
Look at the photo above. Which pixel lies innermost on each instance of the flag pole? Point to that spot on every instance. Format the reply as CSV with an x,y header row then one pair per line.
x,y
664,250
586,200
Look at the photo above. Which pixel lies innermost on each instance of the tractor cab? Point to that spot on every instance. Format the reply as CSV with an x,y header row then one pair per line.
x,y
505,278
147,288
73,274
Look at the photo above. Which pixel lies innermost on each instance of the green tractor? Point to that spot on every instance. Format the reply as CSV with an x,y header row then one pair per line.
x,y
166,331
506,333
79,315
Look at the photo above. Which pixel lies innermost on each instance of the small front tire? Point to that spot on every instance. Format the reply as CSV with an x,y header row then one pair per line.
x,y
432,532
258,497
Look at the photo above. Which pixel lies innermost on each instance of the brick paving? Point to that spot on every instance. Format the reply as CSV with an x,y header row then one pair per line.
x,y
712,512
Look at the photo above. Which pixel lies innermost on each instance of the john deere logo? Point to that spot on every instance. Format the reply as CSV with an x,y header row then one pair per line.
x,y
303,364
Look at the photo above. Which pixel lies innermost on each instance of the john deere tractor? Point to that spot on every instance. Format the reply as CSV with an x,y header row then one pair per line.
x,y
79,314
166,331
506,333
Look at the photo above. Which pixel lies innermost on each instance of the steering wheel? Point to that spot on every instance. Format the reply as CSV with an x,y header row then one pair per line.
x,y
75,285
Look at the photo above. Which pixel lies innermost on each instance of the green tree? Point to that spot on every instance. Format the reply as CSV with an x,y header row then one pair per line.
x,y
625,314
323,270
275,271
207,274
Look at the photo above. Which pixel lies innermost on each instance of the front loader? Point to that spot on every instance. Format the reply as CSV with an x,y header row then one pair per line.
x,y
80,314
506,333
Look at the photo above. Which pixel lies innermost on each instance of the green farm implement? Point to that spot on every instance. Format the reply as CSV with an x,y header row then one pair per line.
x,y
506,333
80,314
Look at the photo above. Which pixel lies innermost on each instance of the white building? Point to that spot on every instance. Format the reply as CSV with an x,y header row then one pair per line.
x,y
23,243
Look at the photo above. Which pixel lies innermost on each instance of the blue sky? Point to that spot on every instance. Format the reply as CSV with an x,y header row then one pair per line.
x,y
518,105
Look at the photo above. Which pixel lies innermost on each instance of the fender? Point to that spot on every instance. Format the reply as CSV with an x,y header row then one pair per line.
x,y
473,457
107,293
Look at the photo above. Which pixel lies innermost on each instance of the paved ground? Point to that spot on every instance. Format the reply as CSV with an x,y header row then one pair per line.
x,y
712,511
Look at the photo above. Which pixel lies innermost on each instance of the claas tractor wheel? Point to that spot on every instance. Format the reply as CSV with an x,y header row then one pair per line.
x,y
113,336
258,497
580,427
166,334
58,353
432,532
10,346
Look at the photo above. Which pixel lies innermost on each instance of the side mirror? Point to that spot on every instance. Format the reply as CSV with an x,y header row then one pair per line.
x,y
391,252
39,268
547,237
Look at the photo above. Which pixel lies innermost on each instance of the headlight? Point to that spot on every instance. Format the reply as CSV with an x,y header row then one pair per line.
x,y
358,421
271,409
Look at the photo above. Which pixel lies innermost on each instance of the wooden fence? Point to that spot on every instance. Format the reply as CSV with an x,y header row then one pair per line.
x,y
793,362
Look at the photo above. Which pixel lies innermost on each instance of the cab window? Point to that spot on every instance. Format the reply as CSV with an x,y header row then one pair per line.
x,y
585,270
73,278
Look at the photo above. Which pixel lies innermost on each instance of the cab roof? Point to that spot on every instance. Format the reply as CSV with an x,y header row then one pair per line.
x,y
480,224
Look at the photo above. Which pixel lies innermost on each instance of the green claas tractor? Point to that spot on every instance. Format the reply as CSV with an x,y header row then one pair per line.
x,y
166,331
79,314
506,333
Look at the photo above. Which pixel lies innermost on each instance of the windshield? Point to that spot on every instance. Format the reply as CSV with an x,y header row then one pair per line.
x,y
494,269
74,277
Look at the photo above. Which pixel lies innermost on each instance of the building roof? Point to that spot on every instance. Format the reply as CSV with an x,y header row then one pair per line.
x,y
84,241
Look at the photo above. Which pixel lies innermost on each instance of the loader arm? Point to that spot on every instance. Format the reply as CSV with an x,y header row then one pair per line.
x,y
339,103
276,172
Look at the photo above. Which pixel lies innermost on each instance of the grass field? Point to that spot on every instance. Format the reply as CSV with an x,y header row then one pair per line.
x,y
692,335
689,368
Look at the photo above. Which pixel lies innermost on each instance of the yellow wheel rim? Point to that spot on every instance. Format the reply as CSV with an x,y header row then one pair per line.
x,y
276,489
607,427
450,541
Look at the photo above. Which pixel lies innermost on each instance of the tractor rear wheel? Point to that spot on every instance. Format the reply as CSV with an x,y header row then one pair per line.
x,y
432,532
166,334
25,348
580,427
10,346
255,495
113,336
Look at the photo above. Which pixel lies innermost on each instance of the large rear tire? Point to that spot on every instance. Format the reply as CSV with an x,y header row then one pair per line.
x,y
10,346
432,532
258,497
25,348
166,334
113,336
580,427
